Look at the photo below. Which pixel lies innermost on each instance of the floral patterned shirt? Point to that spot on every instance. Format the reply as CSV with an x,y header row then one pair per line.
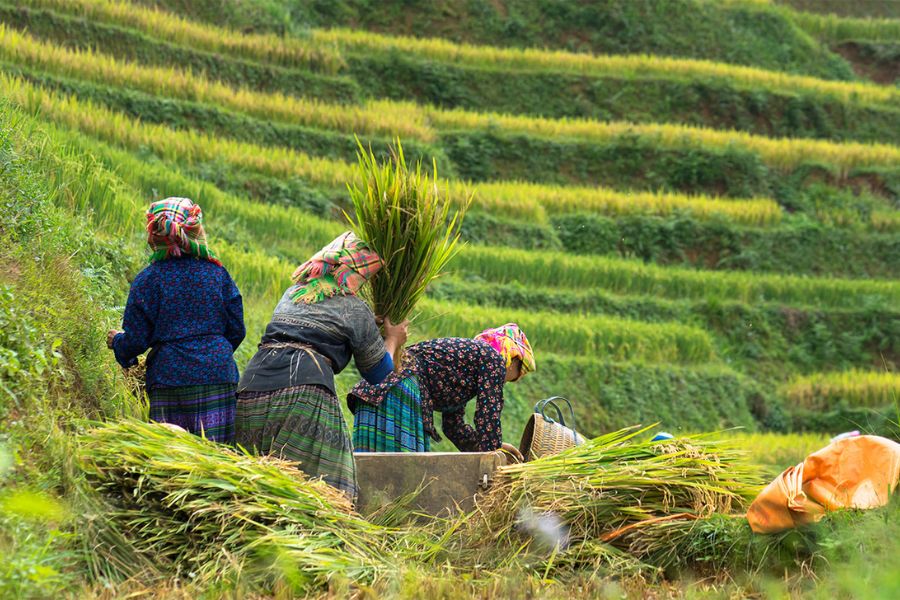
x,y
190,312
451,372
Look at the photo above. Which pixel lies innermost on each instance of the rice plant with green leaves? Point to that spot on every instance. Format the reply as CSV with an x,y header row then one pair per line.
x,y
834,29
518,198
576,334
600,65
424,123
527,201
376,116
494,263
408,219
780,153
326,49
629,277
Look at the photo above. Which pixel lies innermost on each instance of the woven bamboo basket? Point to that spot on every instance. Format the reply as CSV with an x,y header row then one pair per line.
x,y
544,436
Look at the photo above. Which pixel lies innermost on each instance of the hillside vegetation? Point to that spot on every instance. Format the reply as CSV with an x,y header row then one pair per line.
x,y
587,205
692,207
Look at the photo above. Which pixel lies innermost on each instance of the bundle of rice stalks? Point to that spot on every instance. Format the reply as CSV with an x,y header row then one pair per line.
x,y
406,218
136,378
588,503
197,509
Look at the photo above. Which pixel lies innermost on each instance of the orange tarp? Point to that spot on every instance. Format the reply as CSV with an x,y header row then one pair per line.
x,y
856,472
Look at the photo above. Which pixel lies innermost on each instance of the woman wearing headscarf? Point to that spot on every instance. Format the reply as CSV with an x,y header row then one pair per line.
x,y
287,405
443,375
187,309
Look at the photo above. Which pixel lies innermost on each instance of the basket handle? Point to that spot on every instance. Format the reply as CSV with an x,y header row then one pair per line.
x,y
542,405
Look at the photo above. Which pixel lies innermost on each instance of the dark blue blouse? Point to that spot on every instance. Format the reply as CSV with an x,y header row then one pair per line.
x,y
189,311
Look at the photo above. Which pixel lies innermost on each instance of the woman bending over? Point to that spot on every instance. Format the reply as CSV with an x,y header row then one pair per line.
x,y
443,375
287,404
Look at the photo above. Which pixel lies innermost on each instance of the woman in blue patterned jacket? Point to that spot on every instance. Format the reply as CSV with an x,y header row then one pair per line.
x,y
186,308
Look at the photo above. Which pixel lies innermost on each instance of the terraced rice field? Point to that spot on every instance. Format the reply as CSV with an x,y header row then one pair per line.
x,y
273,236
688,235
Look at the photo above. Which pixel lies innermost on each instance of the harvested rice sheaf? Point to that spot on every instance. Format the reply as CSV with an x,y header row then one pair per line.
x,y
592,502
406,218
198,509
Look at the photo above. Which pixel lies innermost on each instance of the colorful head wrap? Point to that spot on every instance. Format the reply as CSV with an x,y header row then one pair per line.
x,y
510,342
340,268
175,227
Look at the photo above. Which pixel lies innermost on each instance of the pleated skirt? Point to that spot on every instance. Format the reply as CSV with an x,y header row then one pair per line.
x,y
395,425
302,424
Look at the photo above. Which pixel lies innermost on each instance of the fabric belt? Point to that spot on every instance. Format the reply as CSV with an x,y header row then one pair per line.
x,y
296,346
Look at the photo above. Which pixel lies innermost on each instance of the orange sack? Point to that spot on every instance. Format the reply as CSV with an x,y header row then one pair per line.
x,y
856,472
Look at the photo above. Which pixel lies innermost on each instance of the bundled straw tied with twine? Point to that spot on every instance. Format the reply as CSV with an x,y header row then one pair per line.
x,y
167,503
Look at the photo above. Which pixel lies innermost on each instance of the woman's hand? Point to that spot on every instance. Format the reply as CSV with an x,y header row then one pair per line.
x,y
512,450
110,336
396,333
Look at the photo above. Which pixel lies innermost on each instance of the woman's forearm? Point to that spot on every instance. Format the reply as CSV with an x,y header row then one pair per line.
x,y
392,345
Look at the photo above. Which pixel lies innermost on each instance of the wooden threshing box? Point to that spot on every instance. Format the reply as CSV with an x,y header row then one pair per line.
x,y
451,479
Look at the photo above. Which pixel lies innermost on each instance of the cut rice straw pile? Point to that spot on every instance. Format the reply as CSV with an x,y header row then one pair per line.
x,y
190,507
595,498
170,504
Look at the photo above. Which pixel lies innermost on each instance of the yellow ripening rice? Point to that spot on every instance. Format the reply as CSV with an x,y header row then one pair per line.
x,y
525,201
854,388
378,117
408,120
287,51
634,66
780,153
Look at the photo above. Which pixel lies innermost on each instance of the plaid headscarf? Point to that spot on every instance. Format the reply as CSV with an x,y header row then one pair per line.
x,y
510,342
175,227
340,268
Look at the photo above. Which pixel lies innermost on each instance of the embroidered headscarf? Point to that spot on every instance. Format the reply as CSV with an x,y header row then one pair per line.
x,y
510,342
174,228
340,268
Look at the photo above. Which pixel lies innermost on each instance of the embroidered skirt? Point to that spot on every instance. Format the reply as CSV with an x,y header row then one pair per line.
x,y
395,425
303,424
206,410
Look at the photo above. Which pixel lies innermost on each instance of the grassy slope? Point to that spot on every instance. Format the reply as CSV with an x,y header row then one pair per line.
x,y
54,270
